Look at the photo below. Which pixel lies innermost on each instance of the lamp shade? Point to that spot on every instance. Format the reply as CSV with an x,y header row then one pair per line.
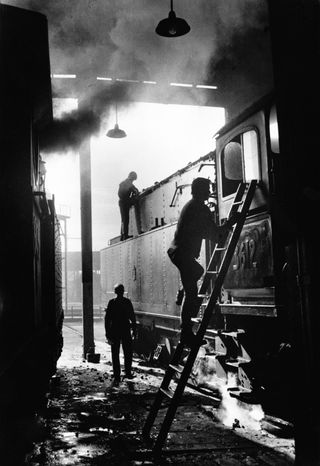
x,y
116,132
172,26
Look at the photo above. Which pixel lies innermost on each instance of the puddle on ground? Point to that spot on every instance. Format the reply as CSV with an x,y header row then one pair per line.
x,y
101,430
95,397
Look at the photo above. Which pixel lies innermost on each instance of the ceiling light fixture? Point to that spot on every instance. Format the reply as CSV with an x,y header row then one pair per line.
x,y
116,132
172,26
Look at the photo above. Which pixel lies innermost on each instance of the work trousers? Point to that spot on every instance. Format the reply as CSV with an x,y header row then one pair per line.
x,y
190,272
125,215
124,212
126,341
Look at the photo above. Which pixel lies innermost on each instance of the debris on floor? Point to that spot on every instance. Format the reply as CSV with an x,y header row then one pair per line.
x,y
89,420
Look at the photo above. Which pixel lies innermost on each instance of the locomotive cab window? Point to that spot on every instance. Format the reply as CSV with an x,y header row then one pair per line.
x,y
239,161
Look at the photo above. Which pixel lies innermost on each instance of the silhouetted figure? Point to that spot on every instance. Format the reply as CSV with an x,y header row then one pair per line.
x,y
195,223
119,321
127,193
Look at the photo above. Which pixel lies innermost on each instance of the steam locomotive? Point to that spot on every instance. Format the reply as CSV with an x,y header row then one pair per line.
x,y
31,311
250,335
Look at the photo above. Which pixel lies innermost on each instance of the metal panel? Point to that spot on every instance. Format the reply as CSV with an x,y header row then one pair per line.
x,y
161,204
253,310
142,263
143,266
252,262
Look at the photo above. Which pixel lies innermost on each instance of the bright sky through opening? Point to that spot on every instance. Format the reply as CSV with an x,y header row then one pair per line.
x,y
161,139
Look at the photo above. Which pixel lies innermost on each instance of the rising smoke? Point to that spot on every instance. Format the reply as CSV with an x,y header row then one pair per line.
x,y
231,411
70,130
228,46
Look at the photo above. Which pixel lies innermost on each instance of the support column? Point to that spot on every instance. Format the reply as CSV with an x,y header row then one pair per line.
x,y
86,247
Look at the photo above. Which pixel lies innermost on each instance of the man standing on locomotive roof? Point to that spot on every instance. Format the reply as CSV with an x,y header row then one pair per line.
x,y
118,322
127,192
196,222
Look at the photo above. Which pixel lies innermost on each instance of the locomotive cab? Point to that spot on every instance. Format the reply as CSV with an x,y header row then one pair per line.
x,y
241,157
255,302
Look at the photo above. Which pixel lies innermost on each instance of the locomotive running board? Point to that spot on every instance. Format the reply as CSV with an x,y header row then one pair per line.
x,y
220,261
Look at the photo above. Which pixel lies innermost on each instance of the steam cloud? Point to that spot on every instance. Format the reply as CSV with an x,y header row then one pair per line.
x,y
231,411
117,37
69,131
228,45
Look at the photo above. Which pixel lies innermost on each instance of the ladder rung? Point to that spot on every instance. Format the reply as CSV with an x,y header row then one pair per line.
x,y
233,363
226,333
196,320
167,391
239,389
203,296
212,271
231,333
237,203
220,249
177,367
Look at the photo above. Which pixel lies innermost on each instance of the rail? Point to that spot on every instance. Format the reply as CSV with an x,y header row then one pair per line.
x,y
74,311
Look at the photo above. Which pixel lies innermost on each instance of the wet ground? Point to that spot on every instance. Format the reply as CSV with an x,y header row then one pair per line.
x,y
89,420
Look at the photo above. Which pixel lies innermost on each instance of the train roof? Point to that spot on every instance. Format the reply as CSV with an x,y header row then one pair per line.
x,y
259,104
157,184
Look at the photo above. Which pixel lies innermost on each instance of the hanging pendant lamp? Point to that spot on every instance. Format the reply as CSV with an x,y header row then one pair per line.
x,y
116,132
172,26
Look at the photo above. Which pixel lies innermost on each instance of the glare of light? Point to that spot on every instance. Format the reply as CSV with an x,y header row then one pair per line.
x,y
63,178
127,80
274,130
61,106
181,84
64,76
105,78
205,86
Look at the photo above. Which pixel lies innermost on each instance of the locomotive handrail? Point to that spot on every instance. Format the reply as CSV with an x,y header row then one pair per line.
x,y
154,314
206,164
181,186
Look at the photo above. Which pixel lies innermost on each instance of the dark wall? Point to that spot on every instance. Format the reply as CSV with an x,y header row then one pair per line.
x,y
295,35
25,102
25,107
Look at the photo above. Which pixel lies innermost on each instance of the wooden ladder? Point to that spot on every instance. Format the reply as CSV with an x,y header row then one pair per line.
x,y
217,268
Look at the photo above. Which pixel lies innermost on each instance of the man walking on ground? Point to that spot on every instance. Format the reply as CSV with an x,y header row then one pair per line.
x,y
119,321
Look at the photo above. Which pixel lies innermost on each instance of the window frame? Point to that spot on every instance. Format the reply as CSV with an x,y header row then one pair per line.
x,y
240,134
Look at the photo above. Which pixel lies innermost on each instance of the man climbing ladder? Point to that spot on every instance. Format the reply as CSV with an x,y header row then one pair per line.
x,y
217,269
196,222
